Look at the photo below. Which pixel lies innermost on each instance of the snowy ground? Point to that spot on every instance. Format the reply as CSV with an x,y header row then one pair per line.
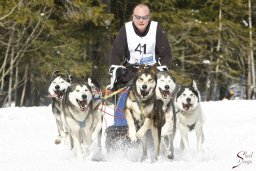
x,y
27,142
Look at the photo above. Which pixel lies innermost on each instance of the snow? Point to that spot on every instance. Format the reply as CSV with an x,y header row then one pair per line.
x,y
27,137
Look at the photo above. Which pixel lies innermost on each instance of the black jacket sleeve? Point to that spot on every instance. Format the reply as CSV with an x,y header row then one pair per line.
x,y
163,49
119,48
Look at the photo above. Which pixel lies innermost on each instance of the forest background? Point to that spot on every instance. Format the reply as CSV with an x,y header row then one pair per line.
x,y
213,42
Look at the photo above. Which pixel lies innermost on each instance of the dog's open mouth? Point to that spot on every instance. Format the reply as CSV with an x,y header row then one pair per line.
x,y
165,93
82,104
144,93
186,106
59,94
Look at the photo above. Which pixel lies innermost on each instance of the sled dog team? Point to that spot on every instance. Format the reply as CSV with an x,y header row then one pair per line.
x,y
155,102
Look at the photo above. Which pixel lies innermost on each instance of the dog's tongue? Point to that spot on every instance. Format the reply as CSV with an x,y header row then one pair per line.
x,y
144,93
83,104
58,93
186,106
165,93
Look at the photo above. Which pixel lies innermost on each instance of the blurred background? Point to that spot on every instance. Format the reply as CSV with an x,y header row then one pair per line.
x,y
213,42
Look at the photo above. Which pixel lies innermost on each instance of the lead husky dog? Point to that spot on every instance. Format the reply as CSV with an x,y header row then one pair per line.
x,y
82,120
189,116
57,89
139,107
165,89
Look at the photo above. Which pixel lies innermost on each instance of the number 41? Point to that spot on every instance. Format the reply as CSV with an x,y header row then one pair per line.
x,y
139,48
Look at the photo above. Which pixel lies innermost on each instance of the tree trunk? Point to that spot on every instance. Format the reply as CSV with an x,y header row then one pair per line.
x,y
251,68
5,61
10,79
24,86
16,83
218,50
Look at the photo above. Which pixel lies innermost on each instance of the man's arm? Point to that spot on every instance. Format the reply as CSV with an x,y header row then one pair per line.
x,y
119,47
163,49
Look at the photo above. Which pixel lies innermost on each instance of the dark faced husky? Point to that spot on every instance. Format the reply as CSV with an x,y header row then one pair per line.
x,y
82,120
139,107
165,89
57,89
189,116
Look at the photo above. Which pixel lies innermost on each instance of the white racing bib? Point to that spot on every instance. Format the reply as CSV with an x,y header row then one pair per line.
x,y
142,49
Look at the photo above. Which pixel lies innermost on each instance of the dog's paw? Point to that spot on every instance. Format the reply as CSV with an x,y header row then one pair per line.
x,y
84,147
80,156
200,150
140,134
170,155
133,137
68,141
58,140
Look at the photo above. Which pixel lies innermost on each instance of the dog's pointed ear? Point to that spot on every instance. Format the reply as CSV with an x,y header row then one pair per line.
x,y
55,73
173,78
193,84
141,68
69,78
85,78
154,68
89,80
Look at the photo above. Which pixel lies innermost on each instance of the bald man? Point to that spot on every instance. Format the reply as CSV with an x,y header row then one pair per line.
x,y
140,41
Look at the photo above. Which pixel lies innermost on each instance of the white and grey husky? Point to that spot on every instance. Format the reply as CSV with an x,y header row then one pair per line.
x,y
189,115
165,90
139,107
58,86
81,116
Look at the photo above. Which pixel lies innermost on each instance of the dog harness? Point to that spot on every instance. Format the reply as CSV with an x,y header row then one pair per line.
x,y
191,127
141,103
142,49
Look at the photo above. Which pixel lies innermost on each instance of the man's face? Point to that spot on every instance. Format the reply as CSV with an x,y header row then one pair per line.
x,y
140,17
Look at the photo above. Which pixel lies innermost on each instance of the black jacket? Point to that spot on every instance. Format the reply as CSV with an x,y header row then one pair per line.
x,y
120,52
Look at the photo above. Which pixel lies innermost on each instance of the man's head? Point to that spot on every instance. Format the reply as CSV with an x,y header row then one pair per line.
x,y
141,17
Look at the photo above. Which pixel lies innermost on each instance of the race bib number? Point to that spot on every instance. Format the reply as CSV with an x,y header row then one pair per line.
x,y
141,49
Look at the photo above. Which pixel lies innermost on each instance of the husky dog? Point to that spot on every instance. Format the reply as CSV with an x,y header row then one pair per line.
x,y
189,115
57,88
83,122
139,107
165,89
